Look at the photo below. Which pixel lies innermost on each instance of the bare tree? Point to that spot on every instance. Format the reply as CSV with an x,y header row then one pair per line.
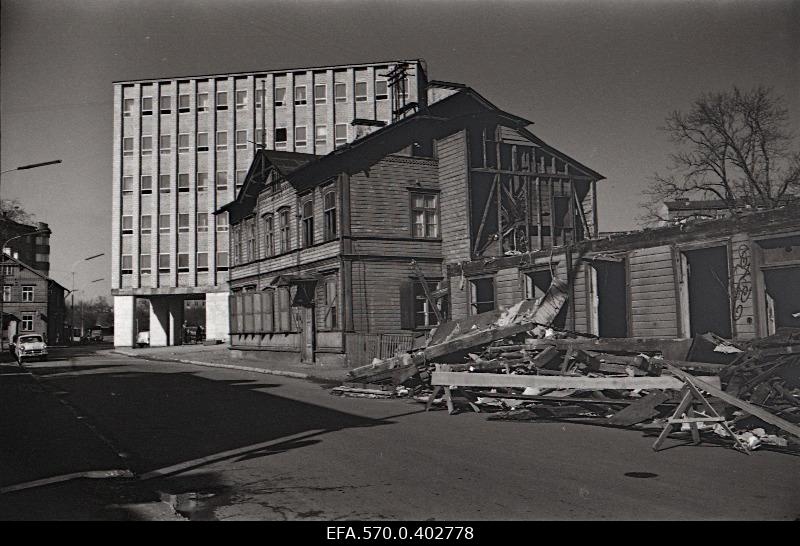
x,y
734,147
11,209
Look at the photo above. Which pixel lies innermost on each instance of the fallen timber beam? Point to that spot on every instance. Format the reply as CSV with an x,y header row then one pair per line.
x,y
755,411
630,345
560,399
460,379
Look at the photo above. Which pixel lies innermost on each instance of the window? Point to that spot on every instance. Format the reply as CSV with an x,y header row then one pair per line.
x,y
416,312
340,92
381,90
147,106
222,261
331,316
300,136
222,180
280,96
127,225
259,98
147,145
321,135
127,184
361,91
283,306
340,134
250,231
202,182
8,269
481,295
240,176
163,263
127,264
7,292
280,137
202,261
127,146
241,140
163,223
300,95
237,245
165,105
27,293
144,264
269,235
163,183
27,322
202,222
146,224
424,215
308,223
183,182
146,184
329,215
536,283
222,222
127,107
164,144
202,142
222,100
283,219
183,263
320,90
202,102
183,223
183,103
241,100
183,143
222,140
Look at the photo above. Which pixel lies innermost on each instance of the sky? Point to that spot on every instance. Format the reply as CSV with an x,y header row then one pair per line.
x,y
596,78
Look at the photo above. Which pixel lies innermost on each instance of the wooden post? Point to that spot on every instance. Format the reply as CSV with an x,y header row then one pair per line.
x,y
539,212
499,197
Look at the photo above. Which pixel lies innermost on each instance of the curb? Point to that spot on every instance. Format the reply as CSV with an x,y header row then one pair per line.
x,y
297,375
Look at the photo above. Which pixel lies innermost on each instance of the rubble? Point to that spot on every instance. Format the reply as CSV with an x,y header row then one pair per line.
x,y
517,365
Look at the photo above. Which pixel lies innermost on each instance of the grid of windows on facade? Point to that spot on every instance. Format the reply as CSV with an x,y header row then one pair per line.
x,y
264,311
424,215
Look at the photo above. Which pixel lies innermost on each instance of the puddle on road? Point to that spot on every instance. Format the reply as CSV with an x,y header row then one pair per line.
x,y
641,475
194,506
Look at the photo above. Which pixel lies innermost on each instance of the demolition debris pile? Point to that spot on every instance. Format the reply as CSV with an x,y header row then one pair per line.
x,y
517,366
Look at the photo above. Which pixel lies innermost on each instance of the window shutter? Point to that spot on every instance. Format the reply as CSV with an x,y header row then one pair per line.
x,y
257,299
233,311
407,305
268,312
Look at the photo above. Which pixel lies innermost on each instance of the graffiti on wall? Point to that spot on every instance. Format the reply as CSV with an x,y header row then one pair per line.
x,y
742,279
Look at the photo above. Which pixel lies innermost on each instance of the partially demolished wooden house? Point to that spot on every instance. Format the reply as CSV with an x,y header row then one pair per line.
x,y
346,256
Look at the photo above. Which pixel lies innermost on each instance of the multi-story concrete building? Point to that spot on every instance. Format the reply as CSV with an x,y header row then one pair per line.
x,y
182,148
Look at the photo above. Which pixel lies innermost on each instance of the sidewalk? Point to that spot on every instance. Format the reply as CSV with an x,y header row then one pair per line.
x,y
219,356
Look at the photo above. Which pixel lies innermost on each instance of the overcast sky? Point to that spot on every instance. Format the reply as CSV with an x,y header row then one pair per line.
x,y
597,78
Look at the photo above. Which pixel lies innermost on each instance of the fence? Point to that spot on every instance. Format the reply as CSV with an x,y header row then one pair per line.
x,y
362,348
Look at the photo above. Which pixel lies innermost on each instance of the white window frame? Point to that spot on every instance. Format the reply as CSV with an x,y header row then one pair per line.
x,y
184,142
161,187
127,184
129,269
149,148
339,141
127,218
320,98
28,293
145,269
181,98
280,91
381,96
222,104
127,107
163,227
241,139
300,98
202,182
146,189
358,97
223,178
145,230
184,184
336,87
27,322
202,102
165,150
297,141
202,136
222,140
241,94
147,110
321,139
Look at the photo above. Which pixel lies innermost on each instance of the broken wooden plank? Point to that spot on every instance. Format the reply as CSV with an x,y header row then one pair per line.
x,y
667,346
553,382
640,410
755,411
682,364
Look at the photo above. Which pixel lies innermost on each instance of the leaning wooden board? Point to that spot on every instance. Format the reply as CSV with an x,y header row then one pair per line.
x,y
461,379
755,411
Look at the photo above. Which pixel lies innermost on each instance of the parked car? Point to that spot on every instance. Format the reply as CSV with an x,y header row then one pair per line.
x,y
77,338
96,335
143,339
29,347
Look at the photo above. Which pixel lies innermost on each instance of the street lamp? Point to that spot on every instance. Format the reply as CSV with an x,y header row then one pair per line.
x,y
31,166
45,231
84,299
72,292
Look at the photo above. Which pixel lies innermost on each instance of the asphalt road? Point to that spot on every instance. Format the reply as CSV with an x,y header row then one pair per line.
x,y
227,445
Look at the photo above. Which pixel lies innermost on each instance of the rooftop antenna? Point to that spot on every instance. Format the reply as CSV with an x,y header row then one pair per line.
x,y
397,80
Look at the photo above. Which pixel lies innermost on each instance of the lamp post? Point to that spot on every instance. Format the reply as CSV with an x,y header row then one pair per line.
x,y
45,231
31,166
83,300
72,293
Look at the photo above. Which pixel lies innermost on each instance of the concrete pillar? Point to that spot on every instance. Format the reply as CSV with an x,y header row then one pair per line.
x,y
159,321
176,321
124,321
217,316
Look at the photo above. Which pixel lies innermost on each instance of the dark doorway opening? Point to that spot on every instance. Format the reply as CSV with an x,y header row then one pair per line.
x,y
709,292
783,297
612,299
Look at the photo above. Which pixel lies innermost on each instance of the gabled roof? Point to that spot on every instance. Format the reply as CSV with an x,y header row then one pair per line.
x,y
264,162
435,121
5,257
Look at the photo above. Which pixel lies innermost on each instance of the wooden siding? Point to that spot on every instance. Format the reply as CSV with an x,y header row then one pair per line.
x,y
454,180
652,293
582,295
507,288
